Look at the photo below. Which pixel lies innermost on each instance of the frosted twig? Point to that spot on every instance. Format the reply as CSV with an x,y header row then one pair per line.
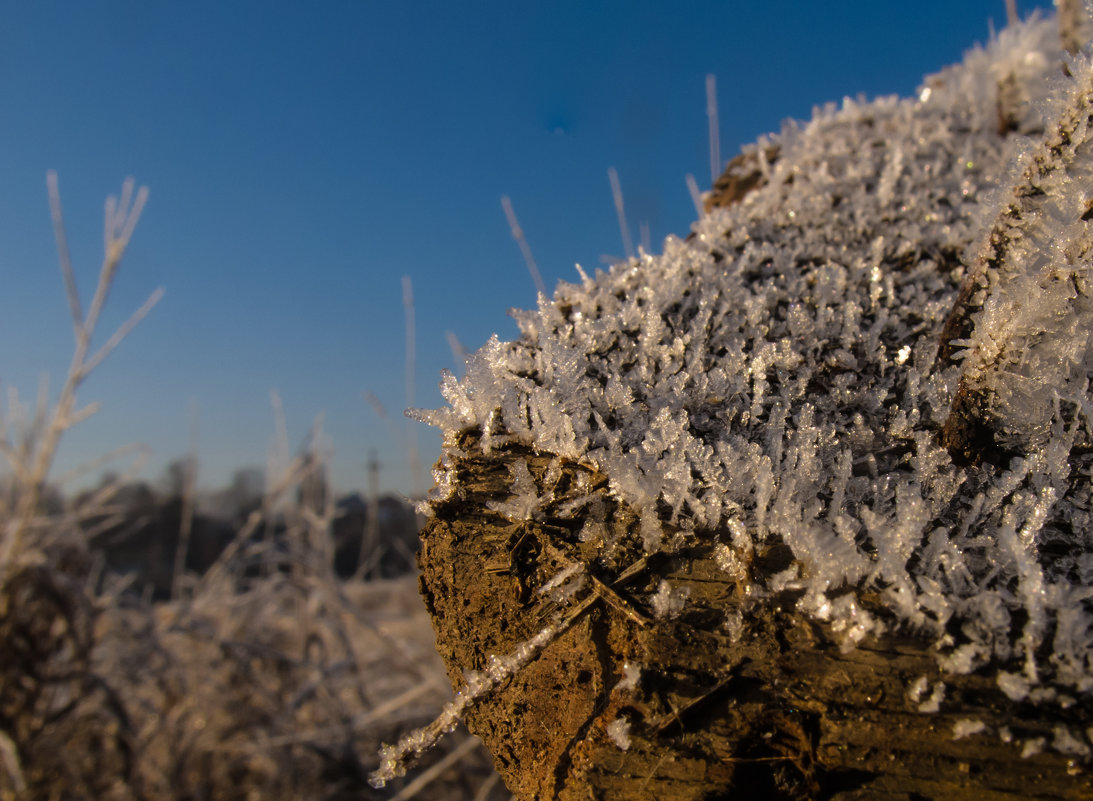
x,y
369,554
715,135
1074,24
278,454
1013,315
38,444
696,196
624,229
189,498
393,757
79,415
459,353
62,251
121,221
416,478
521,240
284,476
487,787
377,406
124,330
139,449
429,776
9,758
361,722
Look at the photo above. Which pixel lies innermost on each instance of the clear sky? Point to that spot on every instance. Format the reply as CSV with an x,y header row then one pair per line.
x,y
303,158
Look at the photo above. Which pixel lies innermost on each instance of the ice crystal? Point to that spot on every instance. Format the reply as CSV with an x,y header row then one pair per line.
x,y
631,674
773,378
966,727
619,732
933,703
734,625
1066,742
566,583
1032,747
1013,685
733,566
667,601
524,501
918,689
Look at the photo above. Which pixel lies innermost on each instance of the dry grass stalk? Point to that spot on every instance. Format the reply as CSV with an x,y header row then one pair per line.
x,y
265,678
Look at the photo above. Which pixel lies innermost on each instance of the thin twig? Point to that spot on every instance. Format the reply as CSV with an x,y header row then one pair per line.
x,y
525,249
39,444
624,229
124,331
696,196
63,253
487,787
427,777
186,518
715,135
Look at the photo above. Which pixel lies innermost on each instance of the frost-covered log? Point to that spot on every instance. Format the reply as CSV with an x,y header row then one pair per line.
x,y
800,508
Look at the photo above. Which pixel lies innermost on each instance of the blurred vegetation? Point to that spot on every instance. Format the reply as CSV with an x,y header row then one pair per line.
x,y
157,643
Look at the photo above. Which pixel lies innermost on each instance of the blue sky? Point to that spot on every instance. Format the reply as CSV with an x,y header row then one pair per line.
x,y
303,158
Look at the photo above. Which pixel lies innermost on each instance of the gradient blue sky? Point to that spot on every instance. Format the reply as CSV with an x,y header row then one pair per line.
x,y
302,158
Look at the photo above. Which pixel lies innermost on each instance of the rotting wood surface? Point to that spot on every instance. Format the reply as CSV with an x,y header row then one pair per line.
x,y
735,698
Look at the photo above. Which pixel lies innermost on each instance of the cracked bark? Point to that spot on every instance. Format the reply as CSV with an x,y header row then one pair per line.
x,y
772,710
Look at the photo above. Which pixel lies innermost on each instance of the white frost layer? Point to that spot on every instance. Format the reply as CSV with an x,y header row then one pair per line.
x,y
966,727
619,732
773,377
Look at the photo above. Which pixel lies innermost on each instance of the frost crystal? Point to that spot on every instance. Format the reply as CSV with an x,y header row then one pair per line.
x,y
1013,685
734,625
566,583
619,732
966,727
1033,747
524,500
1067,743
668,602
775,377
631,673
933,703
918,689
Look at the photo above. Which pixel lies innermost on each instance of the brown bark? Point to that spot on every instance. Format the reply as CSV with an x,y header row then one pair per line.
x,y
742,175
738,696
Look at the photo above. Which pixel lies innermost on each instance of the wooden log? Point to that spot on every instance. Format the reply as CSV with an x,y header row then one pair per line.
x,y
605,649
732,698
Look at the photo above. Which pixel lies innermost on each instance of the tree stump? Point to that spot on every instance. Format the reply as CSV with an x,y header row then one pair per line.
x,y
861,603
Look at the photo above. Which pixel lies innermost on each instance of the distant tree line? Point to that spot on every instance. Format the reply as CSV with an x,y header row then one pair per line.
x,y
139,532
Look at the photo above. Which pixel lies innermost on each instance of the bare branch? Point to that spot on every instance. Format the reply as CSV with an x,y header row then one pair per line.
x,y
62,252
124,331
140,450
525,249
79,415
1074,25
624,229
715,135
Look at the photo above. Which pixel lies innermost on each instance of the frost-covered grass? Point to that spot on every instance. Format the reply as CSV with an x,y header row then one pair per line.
x,y
776,376
264,678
